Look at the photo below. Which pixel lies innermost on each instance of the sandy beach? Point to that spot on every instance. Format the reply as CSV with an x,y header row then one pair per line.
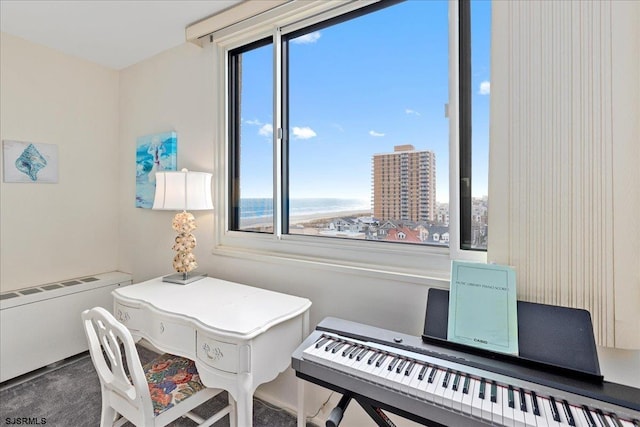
x,y
259,223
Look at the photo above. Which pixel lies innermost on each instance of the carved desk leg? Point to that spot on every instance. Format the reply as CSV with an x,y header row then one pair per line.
x,y
244,404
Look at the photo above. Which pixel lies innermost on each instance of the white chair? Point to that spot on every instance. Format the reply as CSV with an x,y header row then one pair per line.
x,y
154,395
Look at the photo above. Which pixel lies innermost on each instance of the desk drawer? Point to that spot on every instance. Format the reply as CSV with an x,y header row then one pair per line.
x,y
217,354
129,317
178,338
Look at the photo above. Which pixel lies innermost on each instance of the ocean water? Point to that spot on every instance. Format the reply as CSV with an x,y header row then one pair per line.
x,y
263,208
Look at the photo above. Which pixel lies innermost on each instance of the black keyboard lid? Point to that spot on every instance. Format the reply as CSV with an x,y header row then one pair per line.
x,y
548,335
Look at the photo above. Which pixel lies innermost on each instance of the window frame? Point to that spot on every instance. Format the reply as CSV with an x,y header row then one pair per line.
x,y
406,262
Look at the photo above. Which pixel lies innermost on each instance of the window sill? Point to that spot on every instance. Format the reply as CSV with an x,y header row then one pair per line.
x,y
427,266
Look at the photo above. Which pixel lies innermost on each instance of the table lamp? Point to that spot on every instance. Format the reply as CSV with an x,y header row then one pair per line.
x,y
183,191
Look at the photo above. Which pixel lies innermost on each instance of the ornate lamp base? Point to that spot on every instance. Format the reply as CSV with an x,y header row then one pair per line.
x,y
184,278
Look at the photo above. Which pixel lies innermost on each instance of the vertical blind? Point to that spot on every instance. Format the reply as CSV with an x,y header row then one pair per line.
x,y
557,158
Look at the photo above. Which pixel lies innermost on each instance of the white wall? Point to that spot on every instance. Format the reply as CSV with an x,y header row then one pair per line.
x,y
53,232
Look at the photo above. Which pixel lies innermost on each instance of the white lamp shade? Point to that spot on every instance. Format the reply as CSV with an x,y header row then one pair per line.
x,y
183,191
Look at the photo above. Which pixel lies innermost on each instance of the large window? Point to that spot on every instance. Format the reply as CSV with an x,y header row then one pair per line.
x,y
339,126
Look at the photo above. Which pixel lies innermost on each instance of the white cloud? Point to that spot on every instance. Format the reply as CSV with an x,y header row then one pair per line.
x,y
376,134
266,130
307,38
254,122
485,88
303,132
410,111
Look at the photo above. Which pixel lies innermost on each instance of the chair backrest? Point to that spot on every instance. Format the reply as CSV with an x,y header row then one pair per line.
x,y
123,382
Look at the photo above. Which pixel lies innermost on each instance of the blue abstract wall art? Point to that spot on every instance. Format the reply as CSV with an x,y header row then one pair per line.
x,y
30,162
157,152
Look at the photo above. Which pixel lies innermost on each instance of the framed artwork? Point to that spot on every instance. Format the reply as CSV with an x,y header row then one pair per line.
x,y
30,162
157,152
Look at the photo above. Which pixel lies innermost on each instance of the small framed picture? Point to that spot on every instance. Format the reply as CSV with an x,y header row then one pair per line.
x,y
30,162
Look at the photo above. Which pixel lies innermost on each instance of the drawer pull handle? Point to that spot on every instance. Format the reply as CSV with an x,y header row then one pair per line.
x,y
161,327
214,354
123,317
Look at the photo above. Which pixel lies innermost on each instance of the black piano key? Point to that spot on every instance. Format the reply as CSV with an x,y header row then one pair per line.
x,y
356,350
467,382
445,380
523,402
373,357
511,398
321,342
534,403
615,419
331,346
554,409
483,386
587,415
347,350
603,419
568,413
338,347
362,353
422,372
380,360
410,367
456,381
494,392
393,363
401,365
432,375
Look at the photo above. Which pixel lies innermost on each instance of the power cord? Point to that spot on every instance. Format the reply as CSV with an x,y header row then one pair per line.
x,y
309,418
277,409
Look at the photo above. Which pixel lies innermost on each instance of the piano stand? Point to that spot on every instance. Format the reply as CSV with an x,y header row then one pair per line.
x,y
335,417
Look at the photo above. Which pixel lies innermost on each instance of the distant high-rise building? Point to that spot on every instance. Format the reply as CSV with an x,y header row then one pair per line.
x,y
404,184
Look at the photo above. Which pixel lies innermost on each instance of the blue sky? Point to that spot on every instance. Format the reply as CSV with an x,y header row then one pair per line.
x,y
357,89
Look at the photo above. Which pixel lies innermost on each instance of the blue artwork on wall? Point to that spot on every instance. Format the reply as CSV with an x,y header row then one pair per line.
x,y
157,152
30,162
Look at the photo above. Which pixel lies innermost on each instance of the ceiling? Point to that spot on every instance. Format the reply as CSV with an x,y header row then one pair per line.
x,y
113,33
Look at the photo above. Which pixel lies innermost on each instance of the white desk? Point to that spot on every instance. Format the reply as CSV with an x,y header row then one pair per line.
x,y
239,336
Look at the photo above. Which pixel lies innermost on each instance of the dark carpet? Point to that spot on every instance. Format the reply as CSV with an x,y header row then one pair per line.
x,y
69,396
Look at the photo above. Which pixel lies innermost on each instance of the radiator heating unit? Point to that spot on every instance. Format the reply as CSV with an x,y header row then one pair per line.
x,y
41,325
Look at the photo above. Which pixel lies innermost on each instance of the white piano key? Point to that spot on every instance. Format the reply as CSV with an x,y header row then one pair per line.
x,y
447,397
529,417
456,398
626,423
582,418
507,412
496,407
415,381
406,380
424,385
433,386
467,398
545,419
476,402
518,414
487,406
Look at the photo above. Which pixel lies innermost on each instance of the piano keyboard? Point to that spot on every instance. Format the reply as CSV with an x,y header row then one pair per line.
x,y
493,398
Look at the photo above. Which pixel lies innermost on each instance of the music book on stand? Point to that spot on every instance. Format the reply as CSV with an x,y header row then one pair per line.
x,y
483,307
